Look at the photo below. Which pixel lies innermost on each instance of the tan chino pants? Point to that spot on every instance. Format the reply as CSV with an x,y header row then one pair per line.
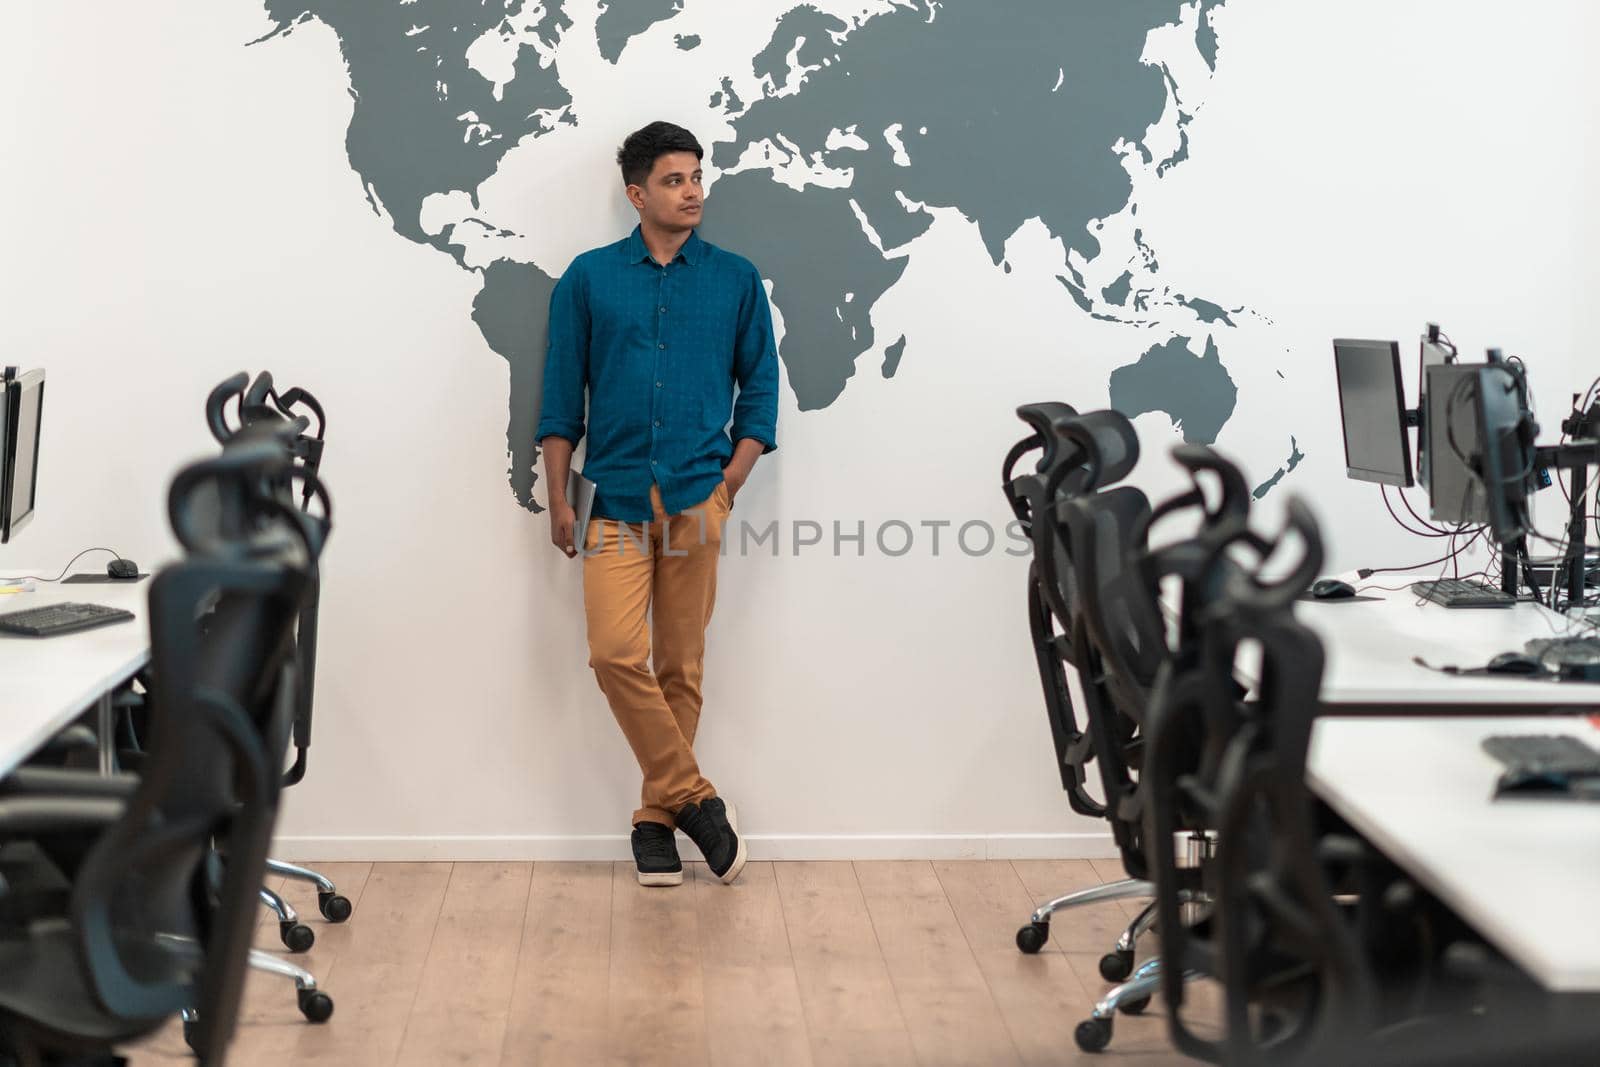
x,y
665,569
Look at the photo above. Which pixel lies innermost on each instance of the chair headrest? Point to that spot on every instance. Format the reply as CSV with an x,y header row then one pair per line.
x,y
217,402
1098,449
1040,417
1241,588
236,505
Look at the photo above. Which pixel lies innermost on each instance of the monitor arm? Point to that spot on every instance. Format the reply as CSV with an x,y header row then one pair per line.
x,y
1576,457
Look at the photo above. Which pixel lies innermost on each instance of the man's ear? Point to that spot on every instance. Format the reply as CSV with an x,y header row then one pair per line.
x,y
636,197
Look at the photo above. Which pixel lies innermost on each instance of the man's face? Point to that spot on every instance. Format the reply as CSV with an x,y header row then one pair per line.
x,y
671,198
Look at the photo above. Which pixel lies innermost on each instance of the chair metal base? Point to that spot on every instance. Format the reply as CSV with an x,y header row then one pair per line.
x,y
334,907
1130,997
1032,938
295,935
314,1004
301,874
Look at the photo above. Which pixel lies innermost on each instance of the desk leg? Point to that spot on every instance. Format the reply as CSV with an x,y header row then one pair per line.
x,y
106,728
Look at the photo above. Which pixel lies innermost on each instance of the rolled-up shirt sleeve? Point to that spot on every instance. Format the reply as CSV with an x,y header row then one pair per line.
x,y
755,368
566,364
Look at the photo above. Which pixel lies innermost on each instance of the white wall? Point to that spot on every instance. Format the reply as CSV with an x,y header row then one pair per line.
x,y
180,207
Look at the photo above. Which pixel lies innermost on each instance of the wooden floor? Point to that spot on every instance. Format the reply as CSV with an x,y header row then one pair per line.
x,y
798,963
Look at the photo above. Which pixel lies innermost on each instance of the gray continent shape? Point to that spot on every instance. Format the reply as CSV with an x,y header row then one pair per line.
x,y
1295,456
406,138
1197,394
1001,149
512,311
406,142
620,21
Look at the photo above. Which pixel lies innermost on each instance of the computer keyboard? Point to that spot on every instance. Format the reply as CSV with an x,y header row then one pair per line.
x,y
59,619
1556,766
1557,752
1559,651
1462,593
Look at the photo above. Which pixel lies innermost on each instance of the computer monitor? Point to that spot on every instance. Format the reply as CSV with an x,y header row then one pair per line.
x,y
1435,353
1506,449
21,408
1372,407
1455,493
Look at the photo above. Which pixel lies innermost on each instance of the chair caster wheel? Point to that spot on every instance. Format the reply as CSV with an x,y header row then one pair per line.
x,y
1136,1006
1031,938
296,937
1115,966
316,1005
334,908
1093,1035
190,1036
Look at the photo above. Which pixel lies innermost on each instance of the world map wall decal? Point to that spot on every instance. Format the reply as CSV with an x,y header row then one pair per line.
x,y
1006,111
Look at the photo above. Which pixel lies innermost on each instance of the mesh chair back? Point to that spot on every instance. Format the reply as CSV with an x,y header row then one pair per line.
x,y
1078,454
1275,936
221,625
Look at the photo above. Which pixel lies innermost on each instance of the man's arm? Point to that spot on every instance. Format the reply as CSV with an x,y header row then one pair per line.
x,y
566,373
737,472
557,467
755,366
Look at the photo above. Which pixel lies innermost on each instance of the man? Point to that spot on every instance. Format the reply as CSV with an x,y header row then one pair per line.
x,y
659,327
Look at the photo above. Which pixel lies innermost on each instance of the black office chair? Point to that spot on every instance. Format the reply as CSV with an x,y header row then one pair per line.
x,y
1327,954
1121,643
260,412
214,506
257,406
1049,613
1079,454
154,927
1121,639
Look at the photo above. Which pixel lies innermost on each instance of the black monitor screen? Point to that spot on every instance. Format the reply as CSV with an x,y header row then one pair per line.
x,y
1507,458
1434,354
1451,423
24,404
1374,411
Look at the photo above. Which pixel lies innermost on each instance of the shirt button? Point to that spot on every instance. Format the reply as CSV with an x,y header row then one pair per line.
x,y
663,344
652,463
663,311
658,422
658,385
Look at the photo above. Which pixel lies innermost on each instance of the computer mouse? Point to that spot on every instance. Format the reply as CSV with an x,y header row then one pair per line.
x,y
1513,663
122,568
1331,589
1532,781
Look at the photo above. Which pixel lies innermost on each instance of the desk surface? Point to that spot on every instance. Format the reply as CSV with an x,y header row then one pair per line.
x,y
1524,873
47,682
1369,645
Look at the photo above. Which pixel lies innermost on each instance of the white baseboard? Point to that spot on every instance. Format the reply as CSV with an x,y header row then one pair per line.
x,y
468,848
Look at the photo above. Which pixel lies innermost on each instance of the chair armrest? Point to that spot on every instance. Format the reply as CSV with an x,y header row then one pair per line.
x,y
63,783
29,816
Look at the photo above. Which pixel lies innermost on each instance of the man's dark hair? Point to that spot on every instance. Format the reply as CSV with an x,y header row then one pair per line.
x,y
643,147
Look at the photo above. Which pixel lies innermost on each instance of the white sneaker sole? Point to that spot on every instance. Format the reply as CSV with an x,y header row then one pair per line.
x,y
739,855
660,878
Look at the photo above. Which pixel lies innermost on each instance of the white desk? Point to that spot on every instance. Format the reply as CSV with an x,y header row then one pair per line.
x,y
1524,873
1369,645
47,682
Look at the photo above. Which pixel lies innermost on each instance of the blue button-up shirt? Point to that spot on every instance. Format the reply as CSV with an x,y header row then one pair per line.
x,y
659,350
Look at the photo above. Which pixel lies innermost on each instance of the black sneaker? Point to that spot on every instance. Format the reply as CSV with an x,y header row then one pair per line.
x,y
713,827
655,854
